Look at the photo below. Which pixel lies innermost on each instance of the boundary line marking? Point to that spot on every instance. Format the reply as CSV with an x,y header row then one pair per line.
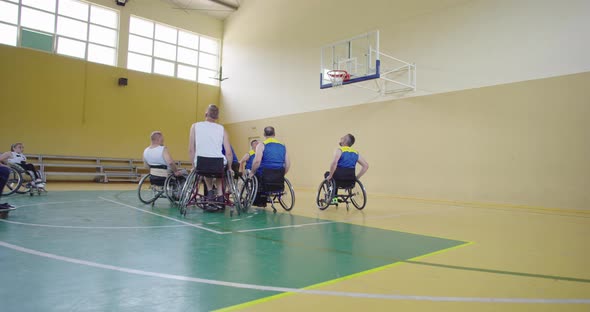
x,y
288,290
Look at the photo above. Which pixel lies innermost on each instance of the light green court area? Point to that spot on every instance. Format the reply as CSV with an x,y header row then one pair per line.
x,y
92,251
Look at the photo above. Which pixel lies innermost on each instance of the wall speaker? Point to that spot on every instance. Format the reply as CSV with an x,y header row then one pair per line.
x,y
122,81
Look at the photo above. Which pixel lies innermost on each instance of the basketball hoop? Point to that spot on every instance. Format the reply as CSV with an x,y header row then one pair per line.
x,y
338,76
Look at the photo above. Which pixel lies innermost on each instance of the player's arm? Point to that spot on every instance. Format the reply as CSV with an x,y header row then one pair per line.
x,y
243,161
192,143
170,161
228,151
5,156
287,162
364,166
334,164
257,159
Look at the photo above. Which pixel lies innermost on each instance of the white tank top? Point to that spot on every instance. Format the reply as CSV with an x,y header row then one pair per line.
x,y
17,158
209,137
154,156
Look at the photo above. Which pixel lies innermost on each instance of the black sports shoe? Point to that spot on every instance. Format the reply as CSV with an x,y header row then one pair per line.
x,y
5,207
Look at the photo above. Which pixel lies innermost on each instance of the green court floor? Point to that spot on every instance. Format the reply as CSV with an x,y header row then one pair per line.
x,y
105,251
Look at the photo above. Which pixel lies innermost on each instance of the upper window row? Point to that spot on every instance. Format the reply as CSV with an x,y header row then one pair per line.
x,y
84,30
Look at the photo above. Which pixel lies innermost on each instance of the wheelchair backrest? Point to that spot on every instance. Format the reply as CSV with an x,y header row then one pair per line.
x,y
273,180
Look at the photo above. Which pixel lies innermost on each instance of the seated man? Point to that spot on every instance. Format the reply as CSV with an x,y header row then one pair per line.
x,y
248,158
156,156
4,174
19,159
342,168
205,144
271,162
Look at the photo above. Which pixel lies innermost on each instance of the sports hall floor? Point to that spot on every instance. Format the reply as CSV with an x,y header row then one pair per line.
x,y
95,247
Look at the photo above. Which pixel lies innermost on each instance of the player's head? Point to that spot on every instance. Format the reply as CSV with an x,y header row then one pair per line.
x,y
253,144
347,140
157,138
16,146
269,131
212,112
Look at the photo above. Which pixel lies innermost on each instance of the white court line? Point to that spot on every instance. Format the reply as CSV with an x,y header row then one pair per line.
x,y
165,217
93,227
287,289
287,226
53,203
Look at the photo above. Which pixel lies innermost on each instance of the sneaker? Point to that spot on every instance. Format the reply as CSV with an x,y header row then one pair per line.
x,y
41,185
334,201
38,181
6,207
210,195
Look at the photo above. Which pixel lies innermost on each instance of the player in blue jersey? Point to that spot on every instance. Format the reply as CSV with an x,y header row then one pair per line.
x,y
345,159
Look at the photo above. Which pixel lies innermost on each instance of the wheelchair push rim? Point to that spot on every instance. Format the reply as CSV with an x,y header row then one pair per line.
x,y
358,195
325,194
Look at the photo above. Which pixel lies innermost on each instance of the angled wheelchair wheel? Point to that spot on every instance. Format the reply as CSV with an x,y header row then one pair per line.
x,y
14,182
358,195
287,197
147,192
173,187
232,191
325,194
186,192
248,192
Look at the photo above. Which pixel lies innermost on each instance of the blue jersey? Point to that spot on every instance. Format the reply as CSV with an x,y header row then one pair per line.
x,y
250,159
273,156
348,158
234,157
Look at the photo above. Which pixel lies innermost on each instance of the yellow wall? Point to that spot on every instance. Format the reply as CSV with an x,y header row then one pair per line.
x,y
64,106
521,143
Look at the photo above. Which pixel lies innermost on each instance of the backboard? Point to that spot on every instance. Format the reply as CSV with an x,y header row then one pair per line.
x,y
359,56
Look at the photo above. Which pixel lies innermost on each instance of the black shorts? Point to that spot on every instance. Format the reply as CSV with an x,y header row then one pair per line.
x,y
209,166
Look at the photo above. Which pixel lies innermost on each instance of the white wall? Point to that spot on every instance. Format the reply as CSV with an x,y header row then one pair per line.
x,y
271,47
162,12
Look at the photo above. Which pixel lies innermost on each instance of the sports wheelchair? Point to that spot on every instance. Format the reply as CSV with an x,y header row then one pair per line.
x,y
344,179
194,191
160,183
270,187
21,182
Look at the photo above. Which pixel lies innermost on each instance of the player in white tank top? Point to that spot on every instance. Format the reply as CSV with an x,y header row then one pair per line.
x,y
206,140
157,154
154,156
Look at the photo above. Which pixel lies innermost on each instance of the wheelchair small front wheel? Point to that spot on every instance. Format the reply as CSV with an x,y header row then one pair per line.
x,y
173,188
358,195
325,194
287,198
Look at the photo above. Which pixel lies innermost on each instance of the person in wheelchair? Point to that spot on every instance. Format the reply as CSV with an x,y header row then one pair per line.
x,y
4,173
248,158
207,139
158,159
271,164
19,159
343,165
235,164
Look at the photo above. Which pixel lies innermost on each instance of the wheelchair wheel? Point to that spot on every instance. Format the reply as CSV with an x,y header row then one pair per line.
x,y
325,194
248,192
358,195
287,198
13,183
173,187
147,192
233,193
187,192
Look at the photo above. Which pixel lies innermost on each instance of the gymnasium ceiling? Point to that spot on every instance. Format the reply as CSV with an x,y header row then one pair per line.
x,y
220,9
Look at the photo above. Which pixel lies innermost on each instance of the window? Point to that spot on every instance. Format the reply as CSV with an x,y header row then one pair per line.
x,y
69,27
165,50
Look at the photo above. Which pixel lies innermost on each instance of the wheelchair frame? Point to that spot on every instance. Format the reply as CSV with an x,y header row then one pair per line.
x,y
327,192
273,197
190,195
17,183
169,189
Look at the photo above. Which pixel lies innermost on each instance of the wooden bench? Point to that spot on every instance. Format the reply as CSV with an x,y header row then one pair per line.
x,y
102,169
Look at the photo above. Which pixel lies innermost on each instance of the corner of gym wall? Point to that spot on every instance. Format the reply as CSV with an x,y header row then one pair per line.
x,y
64,106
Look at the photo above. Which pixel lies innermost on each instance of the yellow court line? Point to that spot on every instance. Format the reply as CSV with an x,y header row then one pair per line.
x,y
340,279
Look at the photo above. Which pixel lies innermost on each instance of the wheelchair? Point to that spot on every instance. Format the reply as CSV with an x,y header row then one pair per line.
x,y
194,191
344,180
159,183
272,187
21,182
